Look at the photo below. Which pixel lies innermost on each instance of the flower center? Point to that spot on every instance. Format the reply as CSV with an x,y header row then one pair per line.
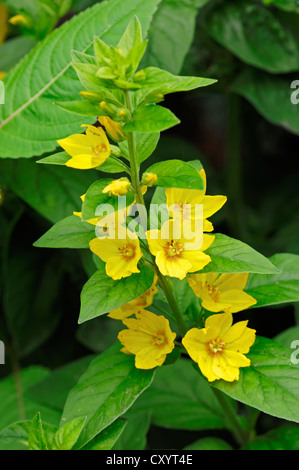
x,y
216,346
159,339
98,149
213,291
127,251
173,248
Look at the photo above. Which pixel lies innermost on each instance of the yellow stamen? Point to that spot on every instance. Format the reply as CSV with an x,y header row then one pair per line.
x,y
173,248
216,346
127,251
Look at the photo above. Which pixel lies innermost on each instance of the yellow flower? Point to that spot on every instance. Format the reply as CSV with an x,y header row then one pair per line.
x,y
135,306
172,256
118,187
2,75
20,20
79,214
222,292
88,150
219,347
113,129
149,179
149,338
187,199
120,255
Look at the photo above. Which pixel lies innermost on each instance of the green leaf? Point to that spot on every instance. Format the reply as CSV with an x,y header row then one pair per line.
x,y
176,174
232,24
94,197
273,289
108,437
289,336
37,438
168,45
27,119
29,299
163,82
180,399
233,256
145,144
105,391
270,383
209,443
13,50
151,118
81,107
101,293
286,5
273,97
59,158
53,389
15,436
53,192
12,409
70,232
130,439
66,437
283,438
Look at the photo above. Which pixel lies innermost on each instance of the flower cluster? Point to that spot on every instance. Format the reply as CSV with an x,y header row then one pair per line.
x,y
178,244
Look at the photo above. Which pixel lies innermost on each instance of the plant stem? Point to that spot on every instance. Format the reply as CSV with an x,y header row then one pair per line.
x,y
172,303
135,180
238,431
133,155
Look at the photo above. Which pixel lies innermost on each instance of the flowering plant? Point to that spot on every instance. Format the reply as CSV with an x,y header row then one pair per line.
x,y
176,294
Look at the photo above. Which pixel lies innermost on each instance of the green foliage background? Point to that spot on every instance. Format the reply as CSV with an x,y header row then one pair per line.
x,y
244,129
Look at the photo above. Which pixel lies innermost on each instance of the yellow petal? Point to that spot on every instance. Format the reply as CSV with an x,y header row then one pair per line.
x,y
212,204
232,281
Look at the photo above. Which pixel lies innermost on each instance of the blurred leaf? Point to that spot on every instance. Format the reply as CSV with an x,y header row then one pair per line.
x,y
209,443
169,44
105,391
272,289
284,438
254,34
27,119
53,389
180,399
134,435
13,50
271,96
54,192
15,436
30,293
101,293
286,5
273,378
16,404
